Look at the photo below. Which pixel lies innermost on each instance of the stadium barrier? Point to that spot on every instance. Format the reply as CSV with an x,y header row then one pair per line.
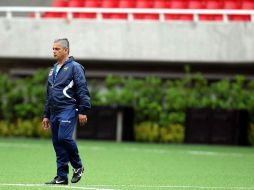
x,y
217,126
108,123
39,11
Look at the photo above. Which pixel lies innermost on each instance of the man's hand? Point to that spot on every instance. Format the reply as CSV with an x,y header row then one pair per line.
x,y
45,123
82,119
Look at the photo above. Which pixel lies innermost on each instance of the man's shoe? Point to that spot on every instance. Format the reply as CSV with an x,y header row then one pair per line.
x,y
77,173
58,181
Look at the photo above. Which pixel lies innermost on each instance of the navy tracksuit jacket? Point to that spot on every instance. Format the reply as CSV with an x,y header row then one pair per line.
x,y
67,96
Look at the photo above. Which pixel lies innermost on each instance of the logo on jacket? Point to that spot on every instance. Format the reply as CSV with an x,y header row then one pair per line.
x,y
51,72
66,121
65,68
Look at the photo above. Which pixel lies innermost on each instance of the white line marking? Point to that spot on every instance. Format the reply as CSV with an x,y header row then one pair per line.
x,y
102,187
176,186
52,186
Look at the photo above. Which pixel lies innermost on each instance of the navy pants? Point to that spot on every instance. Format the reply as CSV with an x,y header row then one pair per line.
x,y
62,127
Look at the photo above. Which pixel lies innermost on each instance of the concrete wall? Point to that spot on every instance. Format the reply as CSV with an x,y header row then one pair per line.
x,y
122,40
25,2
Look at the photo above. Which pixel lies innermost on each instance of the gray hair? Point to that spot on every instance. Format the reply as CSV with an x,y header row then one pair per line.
x,y
64,43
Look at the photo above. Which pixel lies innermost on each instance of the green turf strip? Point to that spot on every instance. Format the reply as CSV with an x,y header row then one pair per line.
x,y
133,166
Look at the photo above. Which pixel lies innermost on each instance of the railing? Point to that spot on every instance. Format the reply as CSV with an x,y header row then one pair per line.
x,y
38,11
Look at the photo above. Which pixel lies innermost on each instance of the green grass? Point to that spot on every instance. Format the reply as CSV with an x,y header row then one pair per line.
x,y
129,166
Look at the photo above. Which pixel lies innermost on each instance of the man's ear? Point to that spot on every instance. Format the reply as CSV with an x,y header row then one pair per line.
x,y
66,50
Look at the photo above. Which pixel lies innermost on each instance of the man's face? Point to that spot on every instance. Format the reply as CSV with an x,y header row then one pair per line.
x,y
59,52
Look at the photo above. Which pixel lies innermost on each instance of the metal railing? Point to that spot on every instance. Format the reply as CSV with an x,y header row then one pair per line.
x,y
38,12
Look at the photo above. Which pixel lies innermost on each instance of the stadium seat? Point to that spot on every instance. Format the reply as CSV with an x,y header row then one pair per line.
x,y
179,4
196,4
76,3
234,4
161,4
247,4
212,4
124,4
144,4
60,3
109,4
56,3
90,4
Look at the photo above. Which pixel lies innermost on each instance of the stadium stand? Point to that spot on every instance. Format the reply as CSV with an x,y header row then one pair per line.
x,y
153,37
156,4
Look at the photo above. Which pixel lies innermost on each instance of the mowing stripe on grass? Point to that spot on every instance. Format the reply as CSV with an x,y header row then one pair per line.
x,y
52,186
134,149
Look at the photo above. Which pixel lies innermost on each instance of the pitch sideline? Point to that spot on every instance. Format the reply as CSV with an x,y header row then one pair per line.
x,y
52,186
106,187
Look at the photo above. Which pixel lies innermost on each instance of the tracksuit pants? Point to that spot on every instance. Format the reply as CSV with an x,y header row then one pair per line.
x,y
62,127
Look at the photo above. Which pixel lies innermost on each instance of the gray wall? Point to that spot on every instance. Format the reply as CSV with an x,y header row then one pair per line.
x,y
25,2
121,40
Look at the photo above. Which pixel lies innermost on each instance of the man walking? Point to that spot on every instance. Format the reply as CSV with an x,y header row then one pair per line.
x,y
67,101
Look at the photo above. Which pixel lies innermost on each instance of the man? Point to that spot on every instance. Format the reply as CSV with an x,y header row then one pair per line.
x,y
67,101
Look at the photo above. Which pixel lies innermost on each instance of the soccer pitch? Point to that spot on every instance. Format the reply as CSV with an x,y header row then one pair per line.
x,y
26,164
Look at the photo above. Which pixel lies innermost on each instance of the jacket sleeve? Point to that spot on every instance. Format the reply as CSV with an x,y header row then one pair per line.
x,y
46,113
82,93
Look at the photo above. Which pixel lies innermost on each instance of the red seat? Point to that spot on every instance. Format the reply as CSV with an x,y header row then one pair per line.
x,y
56,3
212,4
179,4
76,3
234,4
144,4
60,3
54,15
247,4
196,4
90,4
109,4
125,4
161,4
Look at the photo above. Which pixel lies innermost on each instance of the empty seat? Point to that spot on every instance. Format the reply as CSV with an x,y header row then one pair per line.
x,y
212,4
56,3
144,4
90,4
124,4
54,15
196,4
179,4
161,4
78,4
60,3
247,4
234,4
109,4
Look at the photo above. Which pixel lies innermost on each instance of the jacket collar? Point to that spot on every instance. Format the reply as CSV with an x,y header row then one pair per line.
x,y
70,59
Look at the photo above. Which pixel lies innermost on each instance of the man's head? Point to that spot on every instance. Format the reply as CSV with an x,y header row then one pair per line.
x,y
61,49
